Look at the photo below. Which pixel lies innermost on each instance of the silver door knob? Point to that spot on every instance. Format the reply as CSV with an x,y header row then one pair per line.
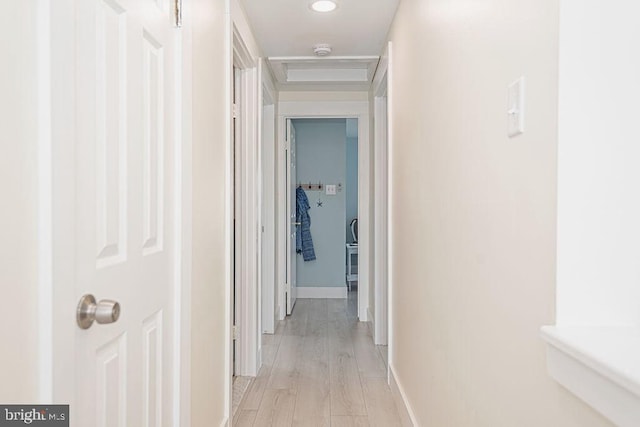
x,y
105,311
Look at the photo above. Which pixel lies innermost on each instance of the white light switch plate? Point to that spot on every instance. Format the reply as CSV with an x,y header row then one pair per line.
x,y
515,108
331,190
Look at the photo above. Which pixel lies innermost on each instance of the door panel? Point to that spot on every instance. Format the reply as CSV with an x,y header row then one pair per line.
x,y
152,345
110,132
111,382
153,138
291,203
125,118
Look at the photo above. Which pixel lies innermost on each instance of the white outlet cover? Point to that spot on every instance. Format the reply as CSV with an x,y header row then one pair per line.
x,y
331,190
515,108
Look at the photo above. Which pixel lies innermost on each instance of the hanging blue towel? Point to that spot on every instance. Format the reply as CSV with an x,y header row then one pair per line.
x,y
304,242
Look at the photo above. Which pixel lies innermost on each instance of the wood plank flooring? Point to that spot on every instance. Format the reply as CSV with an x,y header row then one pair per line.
x,y
320,369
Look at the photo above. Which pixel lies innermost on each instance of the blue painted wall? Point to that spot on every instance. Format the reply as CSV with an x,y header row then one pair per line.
x,y
321,157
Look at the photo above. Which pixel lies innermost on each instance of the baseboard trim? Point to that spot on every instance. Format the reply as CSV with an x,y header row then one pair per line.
x,y
407,416
333,292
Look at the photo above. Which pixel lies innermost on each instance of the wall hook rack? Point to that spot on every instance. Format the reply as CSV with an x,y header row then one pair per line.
x,y
312,187
317,187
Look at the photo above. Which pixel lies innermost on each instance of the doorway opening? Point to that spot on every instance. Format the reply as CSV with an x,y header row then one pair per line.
x,y
267,195
381,293
351,190
240,382
322,203
243,284
289,112
235,138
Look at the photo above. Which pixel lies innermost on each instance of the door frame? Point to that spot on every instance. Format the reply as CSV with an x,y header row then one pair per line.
x,y
57,297
247,244
322,110
381,92
290,291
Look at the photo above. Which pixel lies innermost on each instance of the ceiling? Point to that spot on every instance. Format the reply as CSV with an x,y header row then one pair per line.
x,y
287,30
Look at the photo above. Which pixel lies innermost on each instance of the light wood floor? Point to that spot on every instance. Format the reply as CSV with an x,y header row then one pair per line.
x,y
320,368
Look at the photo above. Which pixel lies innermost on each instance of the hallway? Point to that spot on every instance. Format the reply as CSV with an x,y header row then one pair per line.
x,y
320,368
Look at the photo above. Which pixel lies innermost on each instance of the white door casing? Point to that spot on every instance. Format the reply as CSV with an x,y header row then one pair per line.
x,y
327,109
247,215
291,209
121,219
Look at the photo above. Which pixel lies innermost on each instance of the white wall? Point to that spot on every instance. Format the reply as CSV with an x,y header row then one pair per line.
x,y
239,17
474,214
210,293
598,173
18,216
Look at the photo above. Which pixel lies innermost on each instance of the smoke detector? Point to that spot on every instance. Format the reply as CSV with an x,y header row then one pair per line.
x,y
322,49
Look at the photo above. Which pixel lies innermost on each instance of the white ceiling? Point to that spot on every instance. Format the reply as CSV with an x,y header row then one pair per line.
x,y
291,28
287,30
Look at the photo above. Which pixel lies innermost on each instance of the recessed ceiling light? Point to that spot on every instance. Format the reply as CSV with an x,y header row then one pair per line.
x,y
323,5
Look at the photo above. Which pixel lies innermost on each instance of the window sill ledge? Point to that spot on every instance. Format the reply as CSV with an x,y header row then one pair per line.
x,y
601,365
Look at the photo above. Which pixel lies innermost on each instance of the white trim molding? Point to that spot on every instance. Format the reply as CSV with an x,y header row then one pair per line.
x,y
407,417
600,366
247,234
333,292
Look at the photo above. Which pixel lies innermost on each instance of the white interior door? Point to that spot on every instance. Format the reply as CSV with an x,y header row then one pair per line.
x,y
291,209
125,194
